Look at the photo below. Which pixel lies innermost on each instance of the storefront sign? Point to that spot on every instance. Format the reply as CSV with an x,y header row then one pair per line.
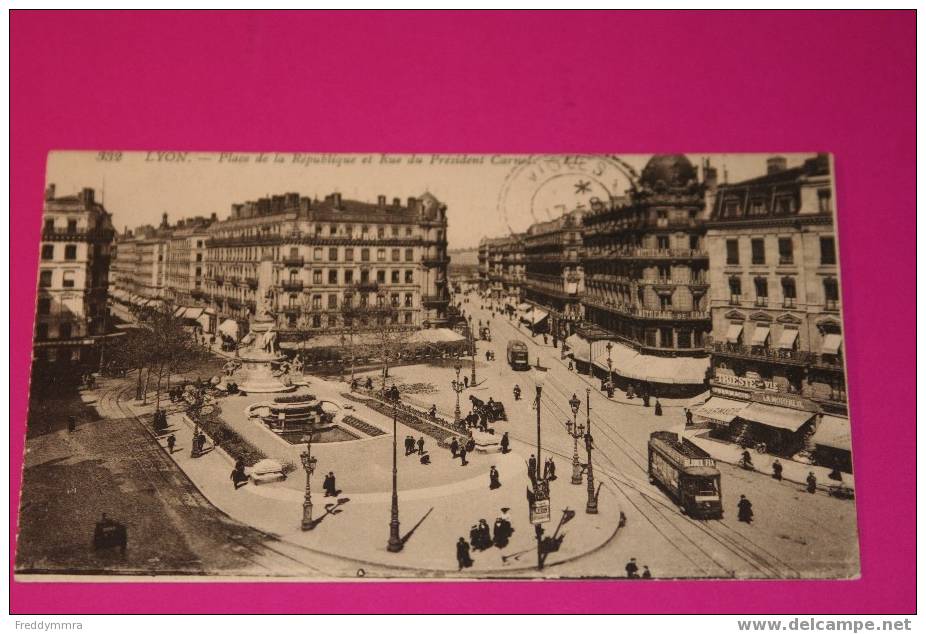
x,y
785,400
722,391
739,381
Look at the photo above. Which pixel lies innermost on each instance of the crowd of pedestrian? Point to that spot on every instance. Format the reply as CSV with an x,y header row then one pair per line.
x,y
482,537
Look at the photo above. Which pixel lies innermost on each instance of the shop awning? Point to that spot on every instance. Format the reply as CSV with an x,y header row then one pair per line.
x,y
626,362
833,431
179,311
622,357
780,417
192,313
832,343
435,335
578,347
733,333
760,336
229,328
538,316
524,307
787,339
721,409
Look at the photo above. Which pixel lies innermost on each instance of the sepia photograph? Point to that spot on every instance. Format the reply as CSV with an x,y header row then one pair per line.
x,y
344,367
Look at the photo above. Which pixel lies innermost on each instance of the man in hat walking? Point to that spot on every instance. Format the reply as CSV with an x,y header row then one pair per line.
x,y
631,568
494,482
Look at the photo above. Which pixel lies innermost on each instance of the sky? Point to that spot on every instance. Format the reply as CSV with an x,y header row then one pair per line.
x,y
486,195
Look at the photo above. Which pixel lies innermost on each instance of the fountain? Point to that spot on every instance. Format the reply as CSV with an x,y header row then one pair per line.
x,y
260,353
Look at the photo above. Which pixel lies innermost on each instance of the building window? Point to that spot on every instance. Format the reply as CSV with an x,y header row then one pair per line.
x,y
316,302
733,252
64,331
348,303
199,271
395,277
332,301
408,300
349,276
409,277
70,252
408,231
333,276
757,208
381,277
199,244
41,331
317,277
48,251
409,255
736,290
694,243
333,254
395,255
408,318
381,255
364,253
785,251
662,242
665,338
684,338
333,230
788,292
72,226
823,196
316,321
761,291
758,250
364,276
44,306
364,230
827,250
349,255
199,257
731,208
665,301
783,205
394,300
49,224
831,293
317,254
380,232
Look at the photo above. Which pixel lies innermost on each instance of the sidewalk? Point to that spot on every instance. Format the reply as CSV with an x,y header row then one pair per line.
x,y
792,470
355,525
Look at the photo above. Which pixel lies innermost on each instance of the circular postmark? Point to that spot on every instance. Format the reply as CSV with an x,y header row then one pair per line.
x,y
544,187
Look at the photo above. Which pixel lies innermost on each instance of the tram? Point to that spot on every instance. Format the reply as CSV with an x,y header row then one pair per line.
x,y
687,473
517,355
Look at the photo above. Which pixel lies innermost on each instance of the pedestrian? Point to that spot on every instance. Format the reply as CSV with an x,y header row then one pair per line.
x,y
544,340
505,443
493,478
72,423
465,381
645,399
658,408
454,447
470,445
811,483
776,469
171,442
688,416
409,445
646,573
570,366
745,510
421,445
549,469
463,462
487,355
331,489
532,467
631,568
463,558
835,474
237,475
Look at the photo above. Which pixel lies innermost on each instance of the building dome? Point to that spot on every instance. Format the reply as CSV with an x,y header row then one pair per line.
x,y
668,171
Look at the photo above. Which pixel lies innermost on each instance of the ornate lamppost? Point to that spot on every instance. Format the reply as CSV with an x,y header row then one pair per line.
x,y
576,430
540,509
591,506
472,350
395,541
458,387
308,463
610,377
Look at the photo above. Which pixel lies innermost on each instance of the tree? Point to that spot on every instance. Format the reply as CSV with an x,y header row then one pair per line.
x,y
131,352
387,339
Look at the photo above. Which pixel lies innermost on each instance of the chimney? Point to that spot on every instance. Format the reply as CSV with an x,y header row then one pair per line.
x,y
710,175
50,192
396,202
381,201
86,195
214,217
292,200
776,164
164,224
412,204
336,200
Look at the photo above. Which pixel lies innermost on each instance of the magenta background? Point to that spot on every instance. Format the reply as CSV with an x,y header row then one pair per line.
x,y
505,82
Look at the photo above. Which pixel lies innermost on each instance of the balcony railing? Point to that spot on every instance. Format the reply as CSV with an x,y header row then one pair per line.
x,y
429,300
219,279
294,261
646,313
292,285
291,309
251,282
63,235
795,357
366,287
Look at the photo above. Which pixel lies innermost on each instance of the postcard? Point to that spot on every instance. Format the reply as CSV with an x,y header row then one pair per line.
x,y
437,366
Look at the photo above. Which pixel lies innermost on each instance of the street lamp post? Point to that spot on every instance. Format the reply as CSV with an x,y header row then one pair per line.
x,y
591,506
395,541
308,463
472,349
540,488
576,430
458,387
610,377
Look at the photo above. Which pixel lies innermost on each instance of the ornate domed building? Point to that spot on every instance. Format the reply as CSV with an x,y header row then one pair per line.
x,y
646,282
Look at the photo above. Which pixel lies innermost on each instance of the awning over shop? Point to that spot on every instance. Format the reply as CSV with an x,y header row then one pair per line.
x,y
537,316
834,431
780,417
760,336
622,357
628,363
436,335
578,347
787,339
733,333
180,310
229,328
524,307
721,409
192,313
832,343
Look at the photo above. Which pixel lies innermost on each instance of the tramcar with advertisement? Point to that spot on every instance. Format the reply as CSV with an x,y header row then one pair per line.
x,y
517,355
687,473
